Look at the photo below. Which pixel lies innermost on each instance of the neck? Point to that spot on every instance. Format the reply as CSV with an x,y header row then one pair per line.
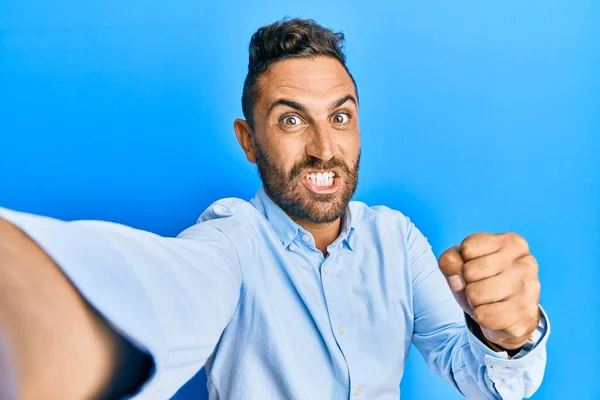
x,y
324,234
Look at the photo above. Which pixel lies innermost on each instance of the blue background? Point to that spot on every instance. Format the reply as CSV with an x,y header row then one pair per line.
x,y
475,117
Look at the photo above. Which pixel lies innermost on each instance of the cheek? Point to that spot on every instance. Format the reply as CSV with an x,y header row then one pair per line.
x,y
291,149
350,145
286,152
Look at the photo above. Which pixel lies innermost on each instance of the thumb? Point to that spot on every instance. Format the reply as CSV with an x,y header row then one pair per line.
x,y
451,264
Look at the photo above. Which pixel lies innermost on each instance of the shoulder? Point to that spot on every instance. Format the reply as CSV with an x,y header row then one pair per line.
x,y
391,229
229,207
378,217
231,219
232,216
384,224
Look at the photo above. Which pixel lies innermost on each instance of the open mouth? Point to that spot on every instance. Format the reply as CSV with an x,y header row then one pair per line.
x,y
322,182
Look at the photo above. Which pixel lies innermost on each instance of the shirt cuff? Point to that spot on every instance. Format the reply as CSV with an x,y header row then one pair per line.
x,y
500,360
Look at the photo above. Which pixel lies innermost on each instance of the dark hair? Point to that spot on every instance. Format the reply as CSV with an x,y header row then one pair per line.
x,y
282,40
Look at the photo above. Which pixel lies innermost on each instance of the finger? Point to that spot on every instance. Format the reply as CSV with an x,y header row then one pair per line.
x,y
479,244
499,315
494,289
529,264
485,266
515,242
451,264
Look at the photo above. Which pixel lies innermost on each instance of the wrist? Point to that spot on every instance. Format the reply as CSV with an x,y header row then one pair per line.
x,y
474,327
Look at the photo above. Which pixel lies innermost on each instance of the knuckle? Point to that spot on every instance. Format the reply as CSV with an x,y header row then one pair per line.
x,y
520,330
514,239
443,260
479,315
534,311
530,262
470,272
532,286
448,259
450,262
467,248
444,255
472,293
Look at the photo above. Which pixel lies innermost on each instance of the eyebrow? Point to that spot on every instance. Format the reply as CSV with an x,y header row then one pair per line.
x,y
300,107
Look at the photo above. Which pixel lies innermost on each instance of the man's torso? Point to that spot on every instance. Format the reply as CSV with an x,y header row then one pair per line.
x,y
309,326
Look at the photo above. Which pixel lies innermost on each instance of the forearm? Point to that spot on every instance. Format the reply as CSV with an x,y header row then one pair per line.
x,y
60,347
7,378
105,309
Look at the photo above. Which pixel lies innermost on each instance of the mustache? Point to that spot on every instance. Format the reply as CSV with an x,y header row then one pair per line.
x,y
315,163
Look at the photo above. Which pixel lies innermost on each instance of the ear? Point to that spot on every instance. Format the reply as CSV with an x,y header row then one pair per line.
x,y
244,137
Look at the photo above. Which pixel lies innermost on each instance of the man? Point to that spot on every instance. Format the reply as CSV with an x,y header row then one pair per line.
x,y
298,294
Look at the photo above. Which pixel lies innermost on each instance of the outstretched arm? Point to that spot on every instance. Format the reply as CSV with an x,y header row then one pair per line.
x,y
92,309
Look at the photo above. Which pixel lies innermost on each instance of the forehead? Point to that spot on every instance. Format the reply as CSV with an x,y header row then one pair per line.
x,y
307,80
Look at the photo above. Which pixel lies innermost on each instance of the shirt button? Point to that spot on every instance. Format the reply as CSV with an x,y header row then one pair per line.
x,y
342,329
324,269
305,238
498,367
357,391
292,247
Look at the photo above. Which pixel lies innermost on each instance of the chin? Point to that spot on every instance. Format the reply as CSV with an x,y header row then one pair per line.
x,y
321,214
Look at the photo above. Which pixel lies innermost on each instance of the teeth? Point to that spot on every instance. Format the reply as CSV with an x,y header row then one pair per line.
x,y
323,179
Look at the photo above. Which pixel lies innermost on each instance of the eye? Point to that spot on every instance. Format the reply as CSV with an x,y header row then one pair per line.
x,y
340,118
290,121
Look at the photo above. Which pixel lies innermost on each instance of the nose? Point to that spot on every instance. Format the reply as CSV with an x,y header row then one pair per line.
x,y
321,144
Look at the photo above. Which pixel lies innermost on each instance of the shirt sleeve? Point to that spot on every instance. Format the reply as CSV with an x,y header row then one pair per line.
x,y
448,346
170,297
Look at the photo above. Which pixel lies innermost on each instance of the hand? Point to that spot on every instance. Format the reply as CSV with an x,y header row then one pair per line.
x,y
494,278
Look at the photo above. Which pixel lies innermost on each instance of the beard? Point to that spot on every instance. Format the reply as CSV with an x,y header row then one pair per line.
x,y
288,192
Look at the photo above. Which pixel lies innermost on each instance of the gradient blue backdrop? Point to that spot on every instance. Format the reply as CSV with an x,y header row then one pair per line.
x,y
475,117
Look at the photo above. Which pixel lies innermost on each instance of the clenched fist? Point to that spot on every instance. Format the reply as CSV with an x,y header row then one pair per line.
x,y
494,278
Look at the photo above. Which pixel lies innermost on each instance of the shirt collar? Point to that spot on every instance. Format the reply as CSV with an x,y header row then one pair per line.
x,y
287,229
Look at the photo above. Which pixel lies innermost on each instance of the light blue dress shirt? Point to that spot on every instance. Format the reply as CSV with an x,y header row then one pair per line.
x,y
246,293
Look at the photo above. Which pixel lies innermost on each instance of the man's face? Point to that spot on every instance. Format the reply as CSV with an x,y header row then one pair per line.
x,y
306,137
